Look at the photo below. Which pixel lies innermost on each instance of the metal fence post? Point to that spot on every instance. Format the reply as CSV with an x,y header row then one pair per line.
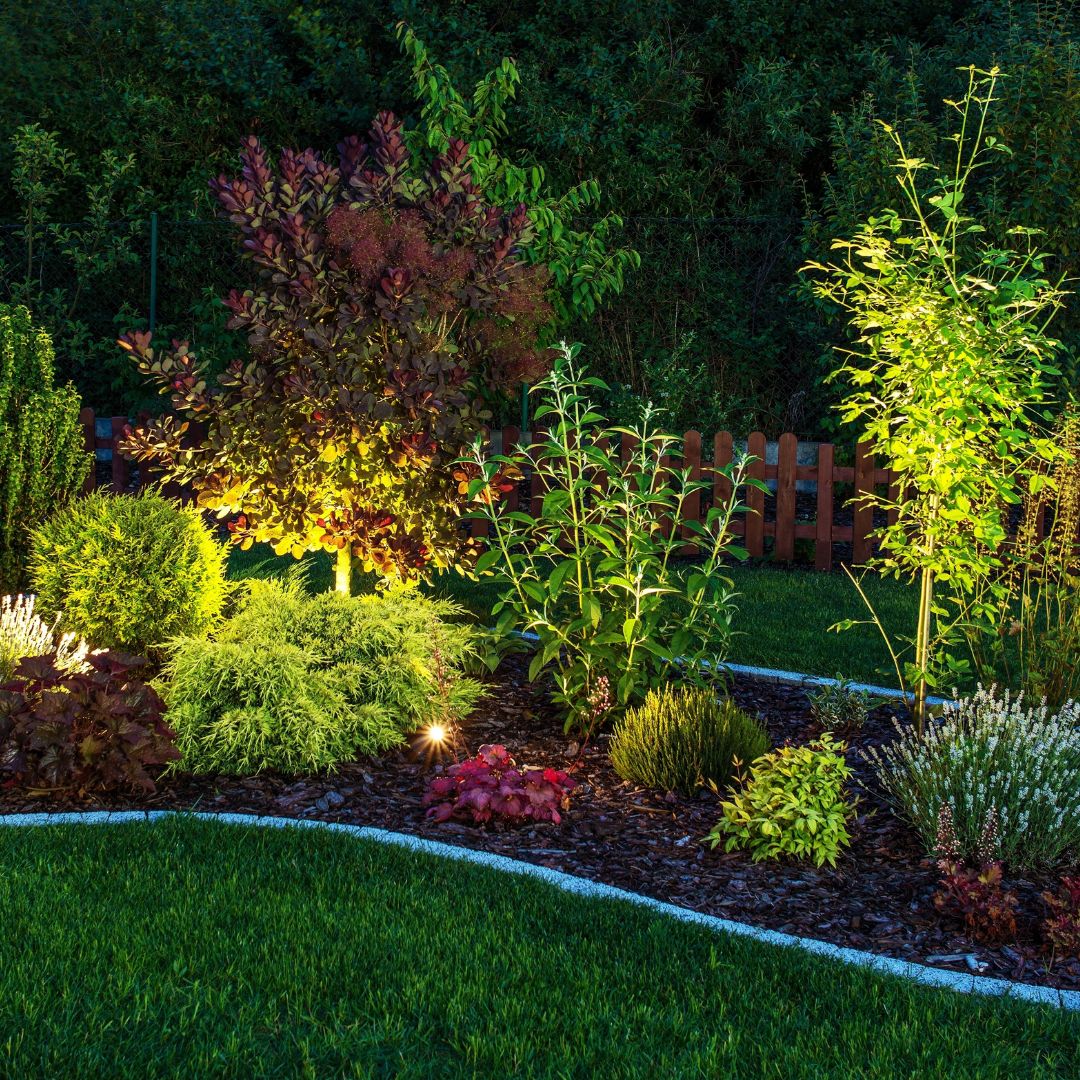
x,y
153,270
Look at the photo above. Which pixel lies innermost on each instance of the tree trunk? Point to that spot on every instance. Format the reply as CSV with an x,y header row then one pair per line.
x,y
343,571
922,647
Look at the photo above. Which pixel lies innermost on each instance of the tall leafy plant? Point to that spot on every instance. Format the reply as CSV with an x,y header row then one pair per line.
x,y
594,574
949,376
42,462
584,260
1027,632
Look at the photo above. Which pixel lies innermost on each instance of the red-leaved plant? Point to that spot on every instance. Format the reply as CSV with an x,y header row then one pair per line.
x,y
1062,925
385,293
82,731
490,787
974,894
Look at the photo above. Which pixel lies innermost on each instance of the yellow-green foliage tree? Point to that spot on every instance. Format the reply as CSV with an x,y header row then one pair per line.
x,y
950,378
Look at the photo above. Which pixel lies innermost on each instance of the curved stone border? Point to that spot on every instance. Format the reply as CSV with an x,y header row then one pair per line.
x,y
798,678
883,965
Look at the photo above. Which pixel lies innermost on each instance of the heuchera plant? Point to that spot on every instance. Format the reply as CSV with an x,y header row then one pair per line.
x,y
1062,926
387,294
490,787
974,894
82,731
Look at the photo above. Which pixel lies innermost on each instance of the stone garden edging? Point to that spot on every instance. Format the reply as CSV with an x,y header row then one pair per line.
x,y
885,965
797,678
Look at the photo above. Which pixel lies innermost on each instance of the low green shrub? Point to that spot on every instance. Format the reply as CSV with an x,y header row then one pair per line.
x,y
840,709
241,707
793,803
129,572
300,683
679,739
991,757
400,649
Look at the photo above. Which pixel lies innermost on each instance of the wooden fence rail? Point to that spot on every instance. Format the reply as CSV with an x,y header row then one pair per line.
x,y
817,504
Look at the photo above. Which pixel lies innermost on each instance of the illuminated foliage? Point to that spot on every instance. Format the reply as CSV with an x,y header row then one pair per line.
x,y
950,379
388,295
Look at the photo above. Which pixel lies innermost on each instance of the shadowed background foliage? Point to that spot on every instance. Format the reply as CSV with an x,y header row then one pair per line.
x,y
735,139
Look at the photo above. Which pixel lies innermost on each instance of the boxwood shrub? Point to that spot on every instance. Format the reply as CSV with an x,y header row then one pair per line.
x,y
129,572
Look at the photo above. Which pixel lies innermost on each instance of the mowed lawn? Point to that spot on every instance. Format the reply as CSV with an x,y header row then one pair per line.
x,y
188,948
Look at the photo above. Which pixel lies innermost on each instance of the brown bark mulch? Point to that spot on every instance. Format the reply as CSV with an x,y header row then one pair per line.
x,y
878,898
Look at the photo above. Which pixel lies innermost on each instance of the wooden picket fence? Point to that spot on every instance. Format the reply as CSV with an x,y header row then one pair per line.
x,y
772,526
774,517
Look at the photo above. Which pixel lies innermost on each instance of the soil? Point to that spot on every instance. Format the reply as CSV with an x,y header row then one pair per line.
x,y
878,898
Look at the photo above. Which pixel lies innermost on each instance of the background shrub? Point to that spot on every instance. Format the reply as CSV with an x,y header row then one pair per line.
x,y
96,729
299,683
129,571
793,803
991,755
42,462
724,132
679,739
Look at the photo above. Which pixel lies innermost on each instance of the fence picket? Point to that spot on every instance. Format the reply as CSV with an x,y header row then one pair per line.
x,y
755,499
121,468
863,523
86,419
786,464
823,537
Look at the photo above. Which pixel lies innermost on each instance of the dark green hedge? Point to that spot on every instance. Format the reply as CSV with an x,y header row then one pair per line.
x,y
734,137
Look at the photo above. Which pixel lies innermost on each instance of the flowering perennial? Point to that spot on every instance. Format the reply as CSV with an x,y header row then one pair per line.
x,y
24,633
975,894
997,758
1062,926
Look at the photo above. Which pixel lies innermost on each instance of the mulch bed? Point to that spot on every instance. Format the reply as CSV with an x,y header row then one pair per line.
x,y
878,898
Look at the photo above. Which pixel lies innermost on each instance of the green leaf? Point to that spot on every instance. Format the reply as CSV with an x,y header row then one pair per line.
x,y
558,576
488,560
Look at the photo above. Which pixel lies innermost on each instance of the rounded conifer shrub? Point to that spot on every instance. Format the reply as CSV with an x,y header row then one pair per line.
x,y
129,572
678,740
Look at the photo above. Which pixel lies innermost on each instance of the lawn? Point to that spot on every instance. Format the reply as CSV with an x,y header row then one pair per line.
x,y
783,614
187,948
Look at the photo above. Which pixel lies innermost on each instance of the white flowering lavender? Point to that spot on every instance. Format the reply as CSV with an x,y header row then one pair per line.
x,y
24,633
992,755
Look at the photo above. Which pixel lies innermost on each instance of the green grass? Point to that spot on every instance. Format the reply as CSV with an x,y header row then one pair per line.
x,y
784,619
783,616
195,949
